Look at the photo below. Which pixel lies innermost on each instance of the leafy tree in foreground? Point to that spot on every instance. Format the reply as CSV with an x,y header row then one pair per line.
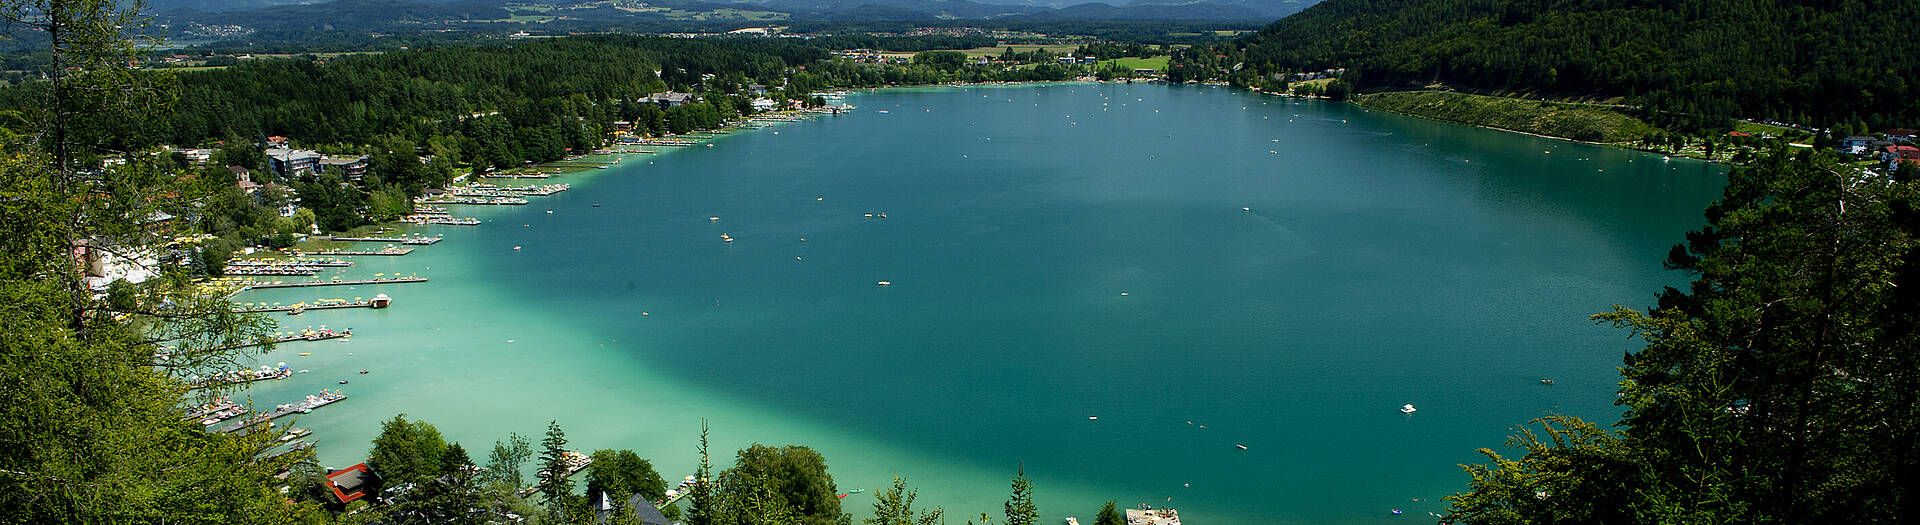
x,y
90,424
796,475
621,473
895,507
1779,387
506,460
407,452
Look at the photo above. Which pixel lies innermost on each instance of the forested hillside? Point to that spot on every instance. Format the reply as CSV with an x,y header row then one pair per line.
x,y
1852,63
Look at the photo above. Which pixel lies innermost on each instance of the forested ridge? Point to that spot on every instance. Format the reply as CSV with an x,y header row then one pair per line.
x,y
1821,63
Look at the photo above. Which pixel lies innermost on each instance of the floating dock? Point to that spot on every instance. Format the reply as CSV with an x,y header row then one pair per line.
x,y
328,263
354,282
390,251
416,241
295,308
303,335
326,397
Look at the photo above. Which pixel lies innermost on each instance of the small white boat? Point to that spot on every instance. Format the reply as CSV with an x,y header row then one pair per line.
x,y
1407,408
885,283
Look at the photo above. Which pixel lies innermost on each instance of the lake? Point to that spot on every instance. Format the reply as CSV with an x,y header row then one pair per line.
x,y
1113,286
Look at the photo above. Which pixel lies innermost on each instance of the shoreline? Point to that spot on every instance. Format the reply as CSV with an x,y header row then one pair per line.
x,y
1688,153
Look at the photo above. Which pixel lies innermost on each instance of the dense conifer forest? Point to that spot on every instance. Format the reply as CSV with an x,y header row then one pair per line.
x,y
1849,64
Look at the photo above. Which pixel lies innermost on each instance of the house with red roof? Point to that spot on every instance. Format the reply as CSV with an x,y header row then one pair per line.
x,y
352,483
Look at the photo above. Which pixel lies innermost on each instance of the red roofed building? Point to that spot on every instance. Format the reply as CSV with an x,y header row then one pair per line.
x,y
351,483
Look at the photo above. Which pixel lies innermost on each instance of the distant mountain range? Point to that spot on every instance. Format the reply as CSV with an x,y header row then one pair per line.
x,y
301,14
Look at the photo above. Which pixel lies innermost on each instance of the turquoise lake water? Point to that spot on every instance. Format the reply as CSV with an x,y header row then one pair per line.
x,y
1057,253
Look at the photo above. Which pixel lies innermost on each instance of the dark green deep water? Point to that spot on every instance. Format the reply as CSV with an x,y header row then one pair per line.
x,y
1384,260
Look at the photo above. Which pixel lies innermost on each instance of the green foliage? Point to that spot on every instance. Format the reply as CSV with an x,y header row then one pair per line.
x,y
794,476
895,507
92,429
702,508
337,205
407,452
1694,63
941,60
1580,122
1020,507
506,461
619,474
1109,515
1779,387
557,488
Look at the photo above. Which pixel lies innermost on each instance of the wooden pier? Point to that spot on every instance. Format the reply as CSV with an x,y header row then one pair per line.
x,y
308,405
355,282
303,335
417,241
321,305
393,252
329,263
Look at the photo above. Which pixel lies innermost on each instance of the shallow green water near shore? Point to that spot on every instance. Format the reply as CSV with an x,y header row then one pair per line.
x,y
1057,253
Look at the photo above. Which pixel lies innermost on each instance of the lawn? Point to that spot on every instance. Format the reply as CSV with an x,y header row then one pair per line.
x,y
1157,63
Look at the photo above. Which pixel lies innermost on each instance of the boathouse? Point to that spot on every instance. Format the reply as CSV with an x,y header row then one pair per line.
x,y
352,483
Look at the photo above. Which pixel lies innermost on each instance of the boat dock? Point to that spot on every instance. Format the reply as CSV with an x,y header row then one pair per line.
x,y
242,376
271,270
303,335
324,398
417,241
328,263
213,410
394,251
296,447
296,308
343,282
440,219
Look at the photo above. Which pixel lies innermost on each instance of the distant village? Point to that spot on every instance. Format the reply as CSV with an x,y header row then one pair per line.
x,y
1889,150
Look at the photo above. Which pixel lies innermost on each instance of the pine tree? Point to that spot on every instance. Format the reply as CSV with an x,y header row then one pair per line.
x,y
701,506
1020,508
557,488
1109,515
